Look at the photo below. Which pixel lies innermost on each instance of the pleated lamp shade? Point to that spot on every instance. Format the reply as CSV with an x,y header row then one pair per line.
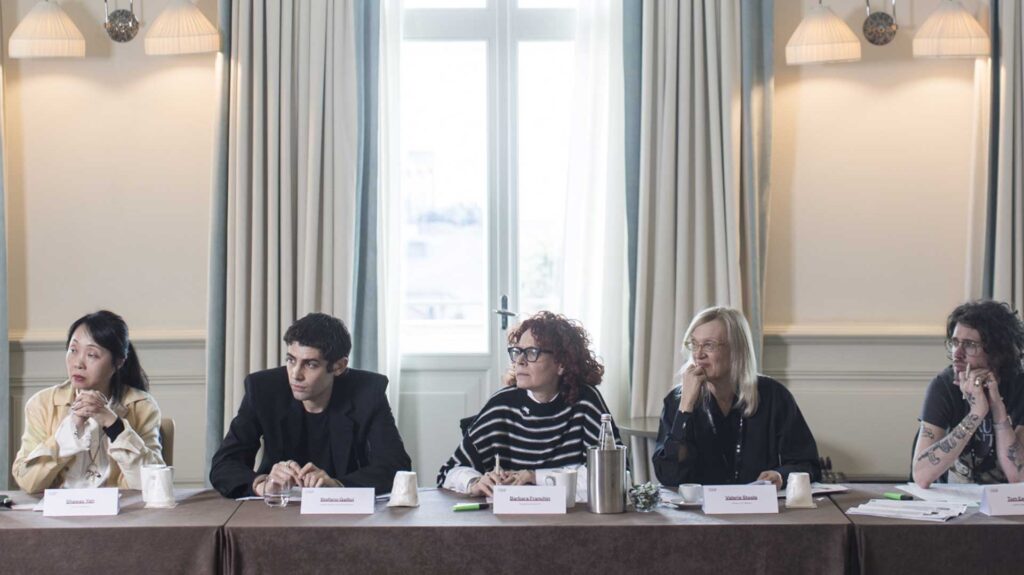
x,y
47,32
950,32
822,37
181,29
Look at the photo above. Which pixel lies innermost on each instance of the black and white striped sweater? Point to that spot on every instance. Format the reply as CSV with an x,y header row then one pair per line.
x,y
530,435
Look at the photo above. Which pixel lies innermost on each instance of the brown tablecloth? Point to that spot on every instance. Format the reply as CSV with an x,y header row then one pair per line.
x,y
184,539
972,543
434,539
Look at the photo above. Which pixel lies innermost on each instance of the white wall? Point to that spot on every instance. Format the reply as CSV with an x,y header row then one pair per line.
x,y
109,171
872,173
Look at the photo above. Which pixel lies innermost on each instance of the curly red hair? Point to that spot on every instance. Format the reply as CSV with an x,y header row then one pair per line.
x,y
571,346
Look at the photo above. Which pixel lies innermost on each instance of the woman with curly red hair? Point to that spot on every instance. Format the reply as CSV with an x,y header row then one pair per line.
x,y
544,422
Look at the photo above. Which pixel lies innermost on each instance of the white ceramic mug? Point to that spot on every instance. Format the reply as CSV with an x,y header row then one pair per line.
x,y
567,479
691,492
158,485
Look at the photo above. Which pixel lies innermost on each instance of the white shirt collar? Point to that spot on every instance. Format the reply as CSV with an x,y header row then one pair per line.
x,y
535,400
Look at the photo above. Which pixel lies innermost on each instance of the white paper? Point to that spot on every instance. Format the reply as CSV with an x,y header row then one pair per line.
x,y
726,499
965,493
80,502
529,500
916,510
337,500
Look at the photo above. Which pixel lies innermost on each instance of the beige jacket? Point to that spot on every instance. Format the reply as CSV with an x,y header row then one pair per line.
x,y
38,465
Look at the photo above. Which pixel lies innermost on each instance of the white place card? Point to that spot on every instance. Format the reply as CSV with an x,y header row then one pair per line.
x,y
724,499
80,502
337,500
529,500
1005,499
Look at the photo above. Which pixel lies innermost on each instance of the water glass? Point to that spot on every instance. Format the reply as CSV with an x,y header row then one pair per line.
x,y
275,493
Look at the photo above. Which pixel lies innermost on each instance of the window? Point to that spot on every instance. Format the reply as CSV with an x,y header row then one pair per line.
x,y
485,98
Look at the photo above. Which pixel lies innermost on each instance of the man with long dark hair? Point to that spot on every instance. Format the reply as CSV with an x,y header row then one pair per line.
x,y
970,422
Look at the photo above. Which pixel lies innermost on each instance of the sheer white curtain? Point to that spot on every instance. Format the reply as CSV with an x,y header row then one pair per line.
x,y
595,284
291,176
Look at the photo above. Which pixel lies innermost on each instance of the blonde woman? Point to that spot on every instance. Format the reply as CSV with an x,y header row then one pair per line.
x,y
725,423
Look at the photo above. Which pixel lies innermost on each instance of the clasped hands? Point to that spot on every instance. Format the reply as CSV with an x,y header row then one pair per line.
x,y
484,485
980,387
291,473
92,404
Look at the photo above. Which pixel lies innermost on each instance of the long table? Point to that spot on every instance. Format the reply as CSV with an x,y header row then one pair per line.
x,y
434,539
972,543
208,534
183,539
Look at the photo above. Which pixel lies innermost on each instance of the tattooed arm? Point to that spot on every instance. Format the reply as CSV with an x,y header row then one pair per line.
x,y
936,451
1009,444
1010,450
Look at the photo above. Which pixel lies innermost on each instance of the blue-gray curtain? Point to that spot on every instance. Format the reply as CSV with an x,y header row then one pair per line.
x,y
216,314
364,329
757,33
5,347
632,60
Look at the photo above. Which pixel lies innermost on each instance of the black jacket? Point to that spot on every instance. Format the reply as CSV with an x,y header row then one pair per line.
x,y
360,420
775,437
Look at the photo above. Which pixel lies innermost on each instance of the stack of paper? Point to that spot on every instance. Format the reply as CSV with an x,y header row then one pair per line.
x,y
966,493
918,510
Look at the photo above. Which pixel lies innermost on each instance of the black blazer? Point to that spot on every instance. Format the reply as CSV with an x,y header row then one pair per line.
x,y
360,419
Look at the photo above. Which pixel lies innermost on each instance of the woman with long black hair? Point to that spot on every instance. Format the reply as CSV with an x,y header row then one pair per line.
x,y
99,427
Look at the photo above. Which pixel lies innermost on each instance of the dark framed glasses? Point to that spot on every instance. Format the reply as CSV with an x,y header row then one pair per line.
x,y
532,353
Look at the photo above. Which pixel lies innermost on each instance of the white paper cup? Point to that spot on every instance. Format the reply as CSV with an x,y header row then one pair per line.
x,y
567,479
798,490
403,490
158,485
691,492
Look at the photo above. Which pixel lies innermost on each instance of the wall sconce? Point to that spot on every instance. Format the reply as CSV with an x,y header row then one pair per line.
x,y
951,32
48,32
822,37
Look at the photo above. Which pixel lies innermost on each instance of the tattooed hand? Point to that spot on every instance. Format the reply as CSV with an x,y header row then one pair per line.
x,y
972,384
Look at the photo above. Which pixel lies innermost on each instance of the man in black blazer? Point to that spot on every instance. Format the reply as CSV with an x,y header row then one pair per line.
x,y
323,424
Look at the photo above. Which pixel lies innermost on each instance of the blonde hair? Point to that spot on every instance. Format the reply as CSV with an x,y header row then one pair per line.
x,y
742,364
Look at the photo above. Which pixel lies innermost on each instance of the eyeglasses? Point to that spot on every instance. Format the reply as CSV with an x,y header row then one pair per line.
x,y
707,346
971,347
532,353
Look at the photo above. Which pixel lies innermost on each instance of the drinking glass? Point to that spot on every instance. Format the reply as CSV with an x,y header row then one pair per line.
x,y
275,493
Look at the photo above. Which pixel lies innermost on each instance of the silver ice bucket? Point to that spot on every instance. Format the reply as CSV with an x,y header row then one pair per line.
x,y
606,480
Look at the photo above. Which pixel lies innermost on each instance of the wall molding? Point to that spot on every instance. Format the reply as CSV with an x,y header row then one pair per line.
x,y
49,340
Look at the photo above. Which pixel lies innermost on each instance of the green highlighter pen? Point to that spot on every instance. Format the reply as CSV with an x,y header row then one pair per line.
x,y
897,496
470,506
